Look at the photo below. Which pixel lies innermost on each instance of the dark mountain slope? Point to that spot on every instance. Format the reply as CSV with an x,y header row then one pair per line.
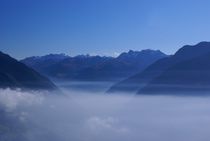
x,y
14,74
190,76
138,81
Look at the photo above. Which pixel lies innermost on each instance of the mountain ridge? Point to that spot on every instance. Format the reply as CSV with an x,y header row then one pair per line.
x,y
14,74
98,68
140,80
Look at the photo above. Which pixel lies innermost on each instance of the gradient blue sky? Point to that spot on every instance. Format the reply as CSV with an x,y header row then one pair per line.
x,y
104,27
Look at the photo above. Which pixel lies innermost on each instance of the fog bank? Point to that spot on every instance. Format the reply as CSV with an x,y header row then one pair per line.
x,y
94,117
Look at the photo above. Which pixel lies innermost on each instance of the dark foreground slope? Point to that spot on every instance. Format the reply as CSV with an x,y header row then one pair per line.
x,y
94,68
191,76
14,74
167,71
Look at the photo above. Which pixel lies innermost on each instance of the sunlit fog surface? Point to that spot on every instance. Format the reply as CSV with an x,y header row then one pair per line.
x,y
81,116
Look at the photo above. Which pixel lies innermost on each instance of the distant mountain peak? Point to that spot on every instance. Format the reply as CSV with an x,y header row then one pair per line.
x,y
83,56
60,54
142,51
90,56
92,68
132,53
48,57
150,51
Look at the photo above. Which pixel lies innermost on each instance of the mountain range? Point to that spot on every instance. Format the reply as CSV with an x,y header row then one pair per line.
x,y
14,74
93,68
188,70
141,72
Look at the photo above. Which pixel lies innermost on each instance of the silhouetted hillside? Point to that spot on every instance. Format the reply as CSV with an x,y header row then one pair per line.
x,y
167,71
14,74
190,76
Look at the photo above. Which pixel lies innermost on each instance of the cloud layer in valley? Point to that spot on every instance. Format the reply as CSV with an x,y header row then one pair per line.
x,y
92,117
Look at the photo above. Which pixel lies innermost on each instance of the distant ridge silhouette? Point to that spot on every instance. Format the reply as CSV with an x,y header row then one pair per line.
x,y
93,68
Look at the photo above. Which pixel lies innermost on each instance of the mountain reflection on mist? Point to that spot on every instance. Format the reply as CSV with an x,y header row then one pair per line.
x,y
82,116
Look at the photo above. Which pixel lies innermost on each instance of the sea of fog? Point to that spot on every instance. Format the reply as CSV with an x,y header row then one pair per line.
x,y
95,116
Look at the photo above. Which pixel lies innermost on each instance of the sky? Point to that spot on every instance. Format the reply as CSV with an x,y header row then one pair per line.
x,y
100,27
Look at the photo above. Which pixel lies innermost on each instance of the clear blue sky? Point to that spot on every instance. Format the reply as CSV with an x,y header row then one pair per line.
x,y
104,27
